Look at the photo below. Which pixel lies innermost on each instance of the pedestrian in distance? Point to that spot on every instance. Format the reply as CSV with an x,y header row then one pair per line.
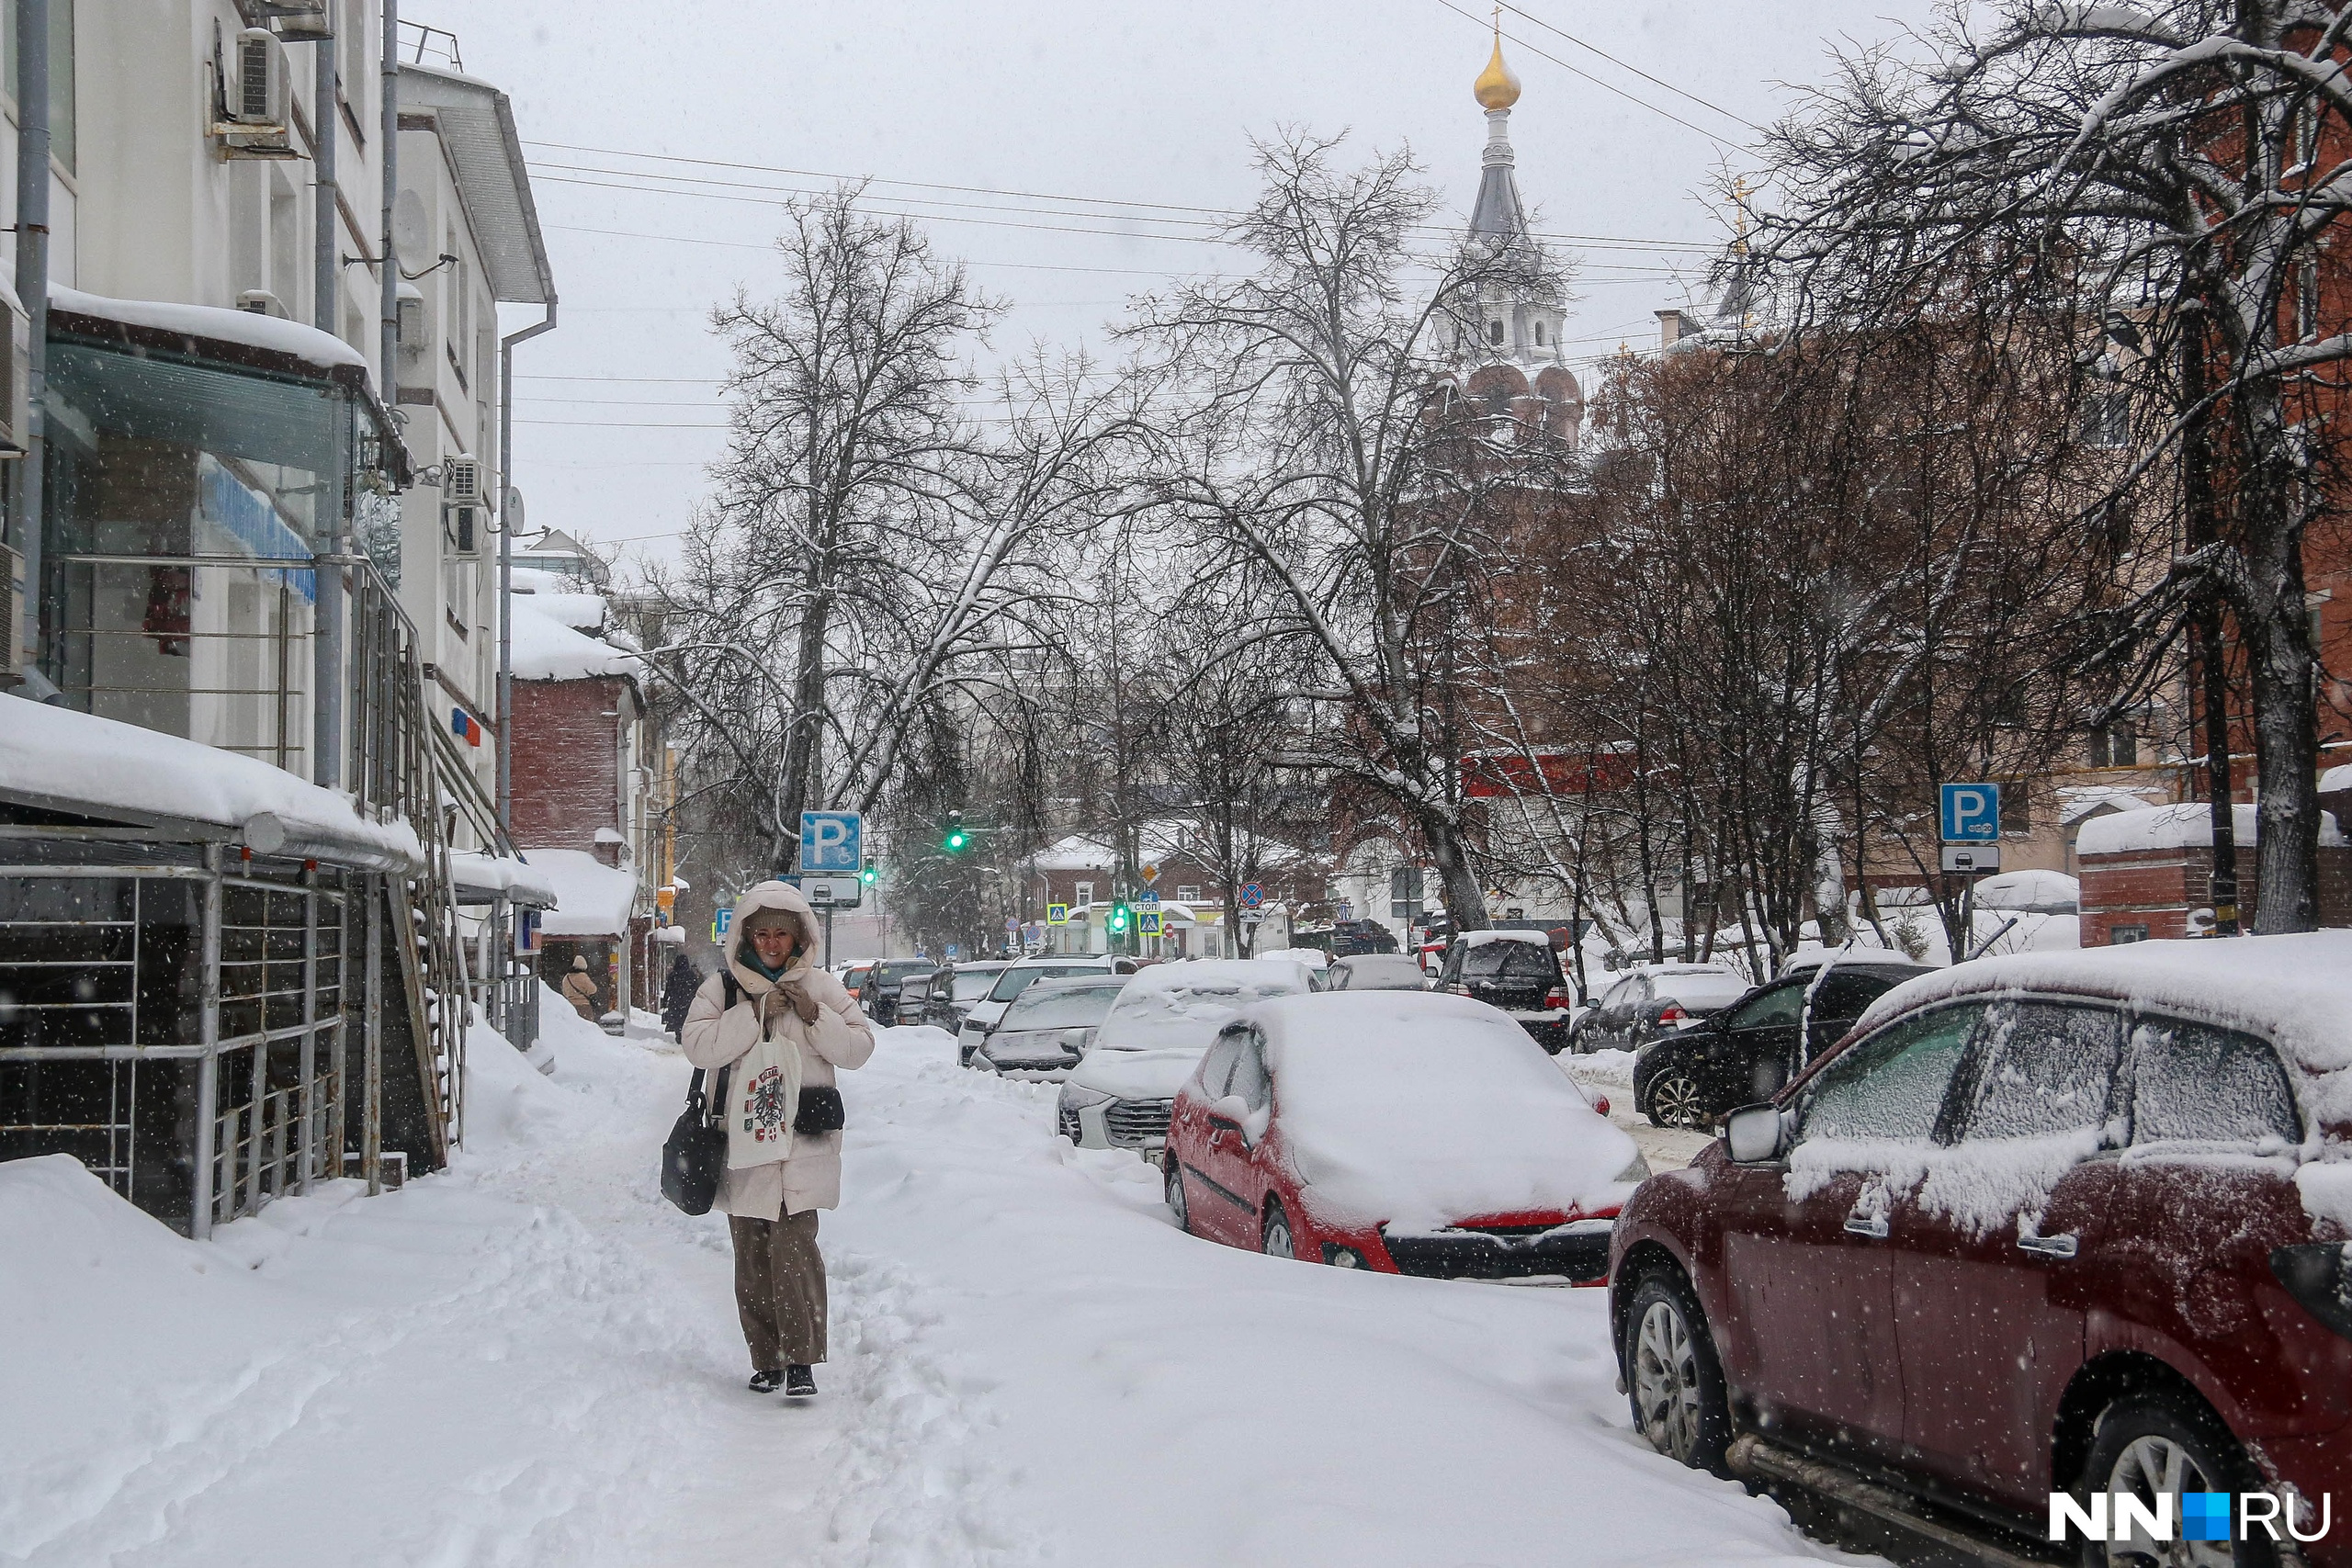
x,y
580,989
678,989
783,1027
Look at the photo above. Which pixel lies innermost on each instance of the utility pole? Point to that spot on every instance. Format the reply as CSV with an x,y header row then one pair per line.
x,y
32,289
2202,530
326,286
389,130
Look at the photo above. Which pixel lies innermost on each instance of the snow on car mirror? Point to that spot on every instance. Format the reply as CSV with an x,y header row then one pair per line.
x,y
1752,1134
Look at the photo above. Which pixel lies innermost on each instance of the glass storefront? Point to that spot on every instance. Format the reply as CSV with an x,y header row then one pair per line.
x,y
172,484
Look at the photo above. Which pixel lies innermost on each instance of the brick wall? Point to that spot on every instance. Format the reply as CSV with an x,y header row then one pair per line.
x,y
567,762
2157,888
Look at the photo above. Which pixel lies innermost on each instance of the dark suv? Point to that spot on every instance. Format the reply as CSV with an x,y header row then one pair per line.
x,y
1516,971
878,992
1746,1052
2044,1223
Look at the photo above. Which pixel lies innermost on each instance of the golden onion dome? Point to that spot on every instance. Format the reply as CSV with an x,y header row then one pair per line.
x,y
1497,85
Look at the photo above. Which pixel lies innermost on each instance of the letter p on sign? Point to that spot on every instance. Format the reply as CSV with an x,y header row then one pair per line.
x,y
1970,813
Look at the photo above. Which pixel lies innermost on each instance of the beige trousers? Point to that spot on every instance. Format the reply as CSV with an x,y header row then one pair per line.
x,y
780,1290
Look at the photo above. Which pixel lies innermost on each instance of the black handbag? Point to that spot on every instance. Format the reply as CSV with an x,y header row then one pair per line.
x,y
695,1158
820,1110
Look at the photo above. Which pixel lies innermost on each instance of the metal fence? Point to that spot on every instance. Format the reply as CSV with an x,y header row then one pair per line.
x,y
144,1003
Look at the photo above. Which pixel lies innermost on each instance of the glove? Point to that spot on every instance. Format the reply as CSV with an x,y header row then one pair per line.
x,y
802,1002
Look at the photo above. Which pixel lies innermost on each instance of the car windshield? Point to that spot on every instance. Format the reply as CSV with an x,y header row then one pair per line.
x,y
1527,961
1384,973
1064,1006
1182,1005
1012,982
971,985
898,970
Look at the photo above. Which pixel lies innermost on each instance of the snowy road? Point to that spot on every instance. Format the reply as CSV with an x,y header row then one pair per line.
x,y
533,1361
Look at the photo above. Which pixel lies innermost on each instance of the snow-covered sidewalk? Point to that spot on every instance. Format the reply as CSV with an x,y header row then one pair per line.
x,y
532,1359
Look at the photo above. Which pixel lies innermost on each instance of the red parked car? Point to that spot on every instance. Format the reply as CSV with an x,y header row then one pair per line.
x,y
1397,1131
2056,1221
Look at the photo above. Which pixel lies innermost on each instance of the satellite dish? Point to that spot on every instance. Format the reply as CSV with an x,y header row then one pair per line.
x,y
412,235
513,517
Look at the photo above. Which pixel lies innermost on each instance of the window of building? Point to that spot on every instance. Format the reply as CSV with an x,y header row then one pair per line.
x,y
1539,334
1405,892
1494,334
1083,894
1188,894
2115,745
2017,810
2106,407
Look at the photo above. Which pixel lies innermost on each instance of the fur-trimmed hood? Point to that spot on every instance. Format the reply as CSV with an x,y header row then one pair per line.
x,y
772,896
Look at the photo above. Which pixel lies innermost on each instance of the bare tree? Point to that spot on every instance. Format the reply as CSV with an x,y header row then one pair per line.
x,y
1320,458
2162,169
875,547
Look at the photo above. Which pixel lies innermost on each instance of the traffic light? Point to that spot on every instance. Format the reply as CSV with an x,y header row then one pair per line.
x,y
957,839
1120,917
869,876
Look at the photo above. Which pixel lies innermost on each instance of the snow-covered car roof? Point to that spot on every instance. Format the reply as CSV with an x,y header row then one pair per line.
x,y
1420,1109
2295,991
1480,939
1181,1005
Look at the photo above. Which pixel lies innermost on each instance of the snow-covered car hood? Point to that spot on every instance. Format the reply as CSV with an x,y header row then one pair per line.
x,y
1423,1111
1136,1075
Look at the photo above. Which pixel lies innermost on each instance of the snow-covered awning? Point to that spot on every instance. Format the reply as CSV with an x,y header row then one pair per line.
x,y
55,760
500,877
591,897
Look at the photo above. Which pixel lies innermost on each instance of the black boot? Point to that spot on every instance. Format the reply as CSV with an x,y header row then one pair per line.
x,y
799,1381
766,1383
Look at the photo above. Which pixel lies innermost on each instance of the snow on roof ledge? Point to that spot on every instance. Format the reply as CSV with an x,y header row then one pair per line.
x,y
83,763
2187,825
248,328
591,897
502,876
547,650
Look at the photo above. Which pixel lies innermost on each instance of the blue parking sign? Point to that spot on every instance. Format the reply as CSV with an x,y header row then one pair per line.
x,y
1970,813
832,841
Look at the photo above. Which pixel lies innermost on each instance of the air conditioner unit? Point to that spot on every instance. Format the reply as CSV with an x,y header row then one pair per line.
x,y
408,322
255,97
16,347
464,528
11,618
261,302
461,480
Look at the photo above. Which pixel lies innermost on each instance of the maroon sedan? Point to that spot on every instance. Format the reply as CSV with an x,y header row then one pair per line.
x,y
2054,1223
1397,1132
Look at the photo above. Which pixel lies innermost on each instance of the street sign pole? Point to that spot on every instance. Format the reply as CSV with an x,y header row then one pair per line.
x,y
1969,818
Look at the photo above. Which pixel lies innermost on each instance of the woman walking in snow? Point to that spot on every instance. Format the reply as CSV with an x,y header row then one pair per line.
x,y
580,989
781,1027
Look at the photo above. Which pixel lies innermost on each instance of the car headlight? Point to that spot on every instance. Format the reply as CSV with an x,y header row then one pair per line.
x,y
1638,1170
1078,1095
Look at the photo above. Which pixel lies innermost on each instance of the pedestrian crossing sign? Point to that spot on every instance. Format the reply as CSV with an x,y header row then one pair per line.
x,y
1147,922
1057,914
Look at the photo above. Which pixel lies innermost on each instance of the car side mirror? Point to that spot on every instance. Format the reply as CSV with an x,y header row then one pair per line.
x,y
1754,1134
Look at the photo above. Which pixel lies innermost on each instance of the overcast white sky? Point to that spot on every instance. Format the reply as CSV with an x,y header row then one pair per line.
x,y
1112,100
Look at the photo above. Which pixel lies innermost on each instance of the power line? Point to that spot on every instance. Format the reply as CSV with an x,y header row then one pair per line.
x,y
968,261
1482,25
1626,65
1207,216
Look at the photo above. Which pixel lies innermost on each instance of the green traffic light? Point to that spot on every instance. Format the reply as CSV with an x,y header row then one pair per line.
x,y
956,842
1118,922
869,876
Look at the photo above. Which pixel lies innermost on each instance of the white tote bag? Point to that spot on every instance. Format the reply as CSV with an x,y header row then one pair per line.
x,y
762,1097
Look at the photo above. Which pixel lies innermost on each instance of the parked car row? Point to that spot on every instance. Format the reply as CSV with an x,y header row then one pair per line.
x,y
2042,1223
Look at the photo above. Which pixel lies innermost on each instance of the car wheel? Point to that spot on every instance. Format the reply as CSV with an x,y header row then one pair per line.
x,y
1173,1175
2146,1445
1676,1101
1276,1237
1675,1382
